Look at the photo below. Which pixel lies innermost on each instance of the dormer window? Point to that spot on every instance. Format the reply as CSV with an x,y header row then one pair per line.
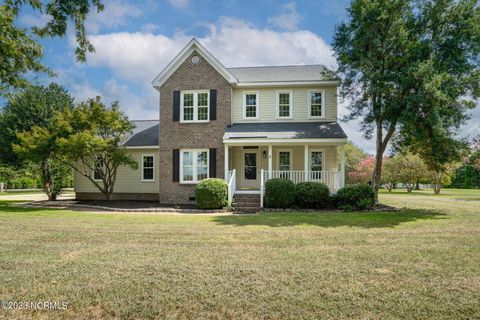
x,y
195,106
250,105
284,104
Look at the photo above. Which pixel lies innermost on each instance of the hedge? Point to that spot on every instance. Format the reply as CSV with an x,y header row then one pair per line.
x,y
355,197
279,193
211,194
312,195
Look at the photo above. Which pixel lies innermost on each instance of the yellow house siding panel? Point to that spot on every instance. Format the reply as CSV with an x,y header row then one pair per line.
x,y
128,180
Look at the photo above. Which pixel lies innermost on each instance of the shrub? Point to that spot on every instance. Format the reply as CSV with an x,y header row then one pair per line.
x,y
211,194
356,197
312,195
279,193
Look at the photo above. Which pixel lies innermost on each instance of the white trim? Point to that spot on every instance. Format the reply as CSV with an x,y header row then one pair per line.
x,y
290,97
290,151
282,141
192,45
322,91
287,83
153,168
244,103
141,147
195,106
194,165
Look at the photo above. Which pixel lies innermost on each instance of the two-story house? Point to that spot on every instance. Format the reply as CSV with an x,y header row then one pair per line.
x,y
246,125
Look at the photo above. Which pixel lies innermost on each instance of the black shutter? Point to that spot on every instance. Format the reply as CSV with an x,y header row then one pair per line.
x,y
212,165
176,165
176,105
213,104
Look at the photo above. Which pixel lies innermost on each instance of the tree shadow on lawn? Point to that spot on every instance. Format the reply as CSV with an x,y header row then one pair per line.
x,y
331,219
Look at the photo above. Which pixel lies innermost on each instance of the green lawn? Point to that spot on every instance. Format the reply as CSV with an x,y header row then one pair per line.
x,y
420,263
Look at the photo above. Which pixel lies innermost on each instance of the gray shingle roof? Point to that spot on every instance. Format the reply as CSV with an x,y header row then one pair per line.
x,y
145,134
279,73
285,130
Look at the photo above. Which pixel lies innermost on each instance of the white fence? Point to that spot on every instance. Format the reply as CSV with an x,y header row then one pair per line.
x,y
232,184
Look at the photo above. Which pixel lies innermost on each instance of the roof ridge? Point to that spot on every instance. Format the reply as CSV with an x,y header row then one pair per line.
x,y
281,66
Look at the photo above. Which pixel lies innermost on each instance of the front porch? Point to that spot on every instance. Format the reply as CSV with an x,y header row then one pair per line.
x,y
249,166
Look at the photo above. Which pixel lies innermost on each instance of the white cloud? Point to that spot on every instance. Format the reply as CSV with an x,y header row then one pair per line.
x,y
180,4
38,20
288,19
115,14
141,56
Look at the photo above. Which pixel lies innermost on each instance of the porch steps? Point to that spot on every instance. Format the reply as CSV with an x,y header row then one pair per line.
x,y
246,203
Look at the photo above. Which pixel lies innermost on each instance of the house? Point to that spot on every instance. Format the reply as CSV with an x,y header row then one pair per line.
x,y
246,125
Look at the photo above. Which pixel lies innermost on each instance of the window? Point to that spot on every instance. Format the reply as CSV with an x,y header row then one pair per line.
x,y
147,168
193,165
98,169
316,164
284,163
250,105
316,103
195,105
284,104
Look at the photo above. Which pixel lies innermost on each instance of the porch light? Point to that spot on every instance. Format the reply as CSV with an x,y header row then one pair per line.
x,y
264,154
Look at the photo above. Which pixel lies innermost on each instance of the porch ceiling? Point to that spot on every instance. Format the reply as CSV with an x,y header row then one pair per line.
x,y
292,131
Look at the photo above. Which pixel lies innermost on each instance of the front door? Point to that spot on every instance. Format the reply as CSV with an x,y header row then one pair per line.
x,y
251,169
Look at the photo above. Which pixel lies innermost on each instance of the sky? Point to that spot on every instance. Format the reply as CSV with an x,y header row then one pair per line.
x,y
135,40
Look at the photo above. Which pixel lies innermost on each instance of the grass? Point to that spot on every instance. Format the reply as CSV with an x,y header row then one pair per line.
x,y
420,263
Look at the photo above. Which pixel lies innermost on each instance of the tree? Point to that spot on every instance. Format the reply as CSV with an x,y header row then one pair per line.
x,y
363,171
390,176
411,169
21,53
89,140
441,178
35,106
467,175
410,68
353,155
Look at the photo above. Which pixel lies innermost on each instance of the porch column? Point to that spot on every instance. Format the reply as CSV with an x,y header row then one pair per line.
x,y
270,161
305,161
342,166
226,162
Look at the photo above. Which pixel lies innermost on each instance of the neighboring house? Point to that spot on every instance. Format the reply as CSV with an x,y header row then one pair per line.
x,y
246,125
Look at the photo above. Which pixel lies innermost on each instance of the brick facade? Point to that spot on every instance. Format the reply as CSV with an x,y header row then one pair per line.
x,y
177,135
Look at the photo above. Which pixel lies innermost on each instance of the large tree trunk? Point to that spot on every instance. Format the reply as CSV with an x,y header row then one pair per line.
x,y
377,173
46,170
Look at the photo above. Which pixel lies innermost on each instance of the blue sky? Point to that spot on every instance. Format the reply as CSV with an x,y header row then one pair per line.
x,y
134,40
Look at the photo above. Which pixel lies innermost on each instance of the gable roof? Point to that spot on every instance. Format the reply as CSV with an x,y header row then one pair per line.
x,y
145,134
192,46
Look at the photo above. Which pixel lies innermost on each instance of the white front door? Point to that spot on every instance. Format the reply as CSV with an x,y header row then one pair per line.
x,y
250,175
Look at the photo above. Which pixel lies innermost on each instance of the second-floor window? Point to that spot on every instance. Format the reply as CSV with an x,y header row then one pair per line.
x,y
250,105
284,104
316,103
194,106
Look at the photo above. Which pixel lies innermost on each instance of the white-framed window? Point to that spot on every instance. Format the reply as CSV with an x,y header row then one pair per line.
x,y
148,168
284,104
193,165
98,169
250,105
317,163
194,106
284,162
316,104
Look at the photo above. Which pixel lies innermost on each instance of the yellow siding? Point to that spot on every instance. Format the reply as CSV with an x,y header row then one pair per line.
x,y
128,180
268,104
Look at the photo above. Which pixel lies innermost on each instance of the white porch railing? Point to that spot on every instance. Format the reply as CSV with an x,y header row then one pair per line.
x,y
232,184
330,178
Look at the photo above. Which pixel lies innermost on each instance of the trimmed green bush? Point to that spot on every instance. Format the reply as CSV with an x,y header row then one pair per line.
x,y
356,197
312,195
211,194
279,193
